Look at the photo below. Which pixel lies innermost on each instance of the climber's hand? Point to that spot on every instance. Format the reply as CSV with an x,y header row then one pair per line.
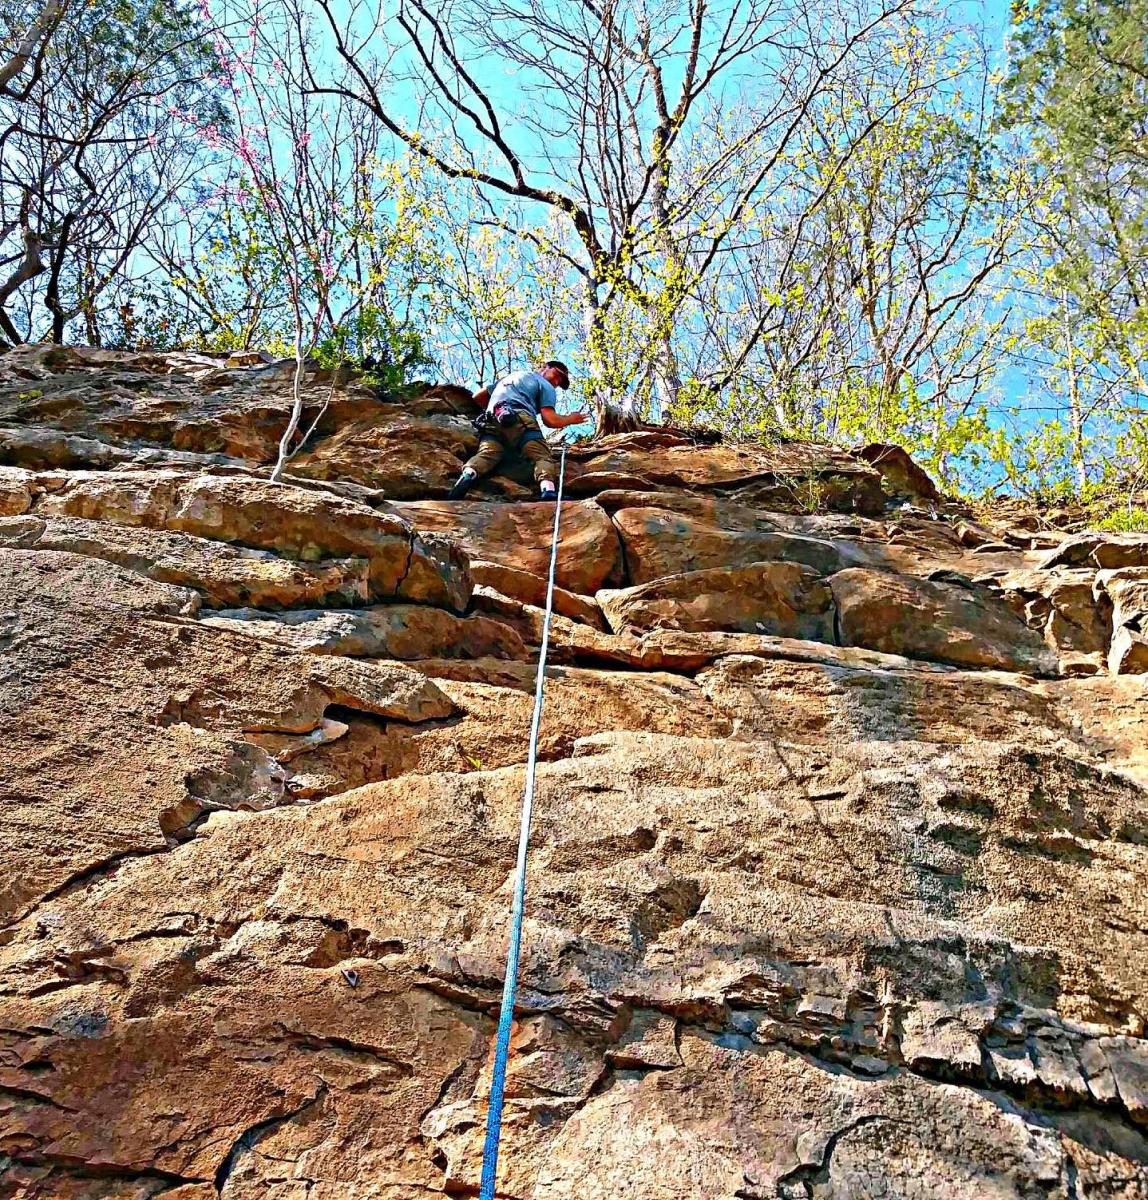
x,y
554,420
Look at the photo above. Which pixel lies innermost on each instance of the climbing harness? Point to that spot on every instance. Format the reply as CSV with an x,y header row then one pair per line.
x,y
510,984
504,419
502,415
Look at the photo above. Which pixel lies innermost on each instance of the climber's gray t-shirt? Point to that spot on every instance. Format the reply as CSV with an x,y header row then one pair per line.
x,y
524,391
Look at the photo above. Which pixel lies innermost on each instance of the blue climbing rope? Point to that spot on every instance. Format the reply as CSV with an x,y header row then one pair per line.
x,y
510,984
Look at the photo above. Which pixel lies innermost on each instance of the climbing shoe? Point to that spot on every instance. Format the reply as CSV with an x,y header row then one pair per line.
x,y
466,481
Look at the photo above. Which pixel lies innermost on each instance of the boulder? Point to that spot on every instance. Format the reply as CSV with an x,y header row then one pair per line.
x,y
45,448
182,402
1107,551
786,476
784,599
531,589
1128,653
294,522
518,536
1062,604
394,451
931,619
15,491
900,475
402,631
658,543
1125,593
224,576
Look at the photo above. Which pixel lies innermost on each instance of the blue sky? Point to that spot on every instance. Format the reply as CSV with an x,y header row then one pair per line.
x,y
1011,385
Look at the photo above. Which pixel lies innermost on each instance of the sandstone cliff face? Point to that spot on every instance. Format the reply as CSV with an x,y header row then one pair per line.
x,y
838,881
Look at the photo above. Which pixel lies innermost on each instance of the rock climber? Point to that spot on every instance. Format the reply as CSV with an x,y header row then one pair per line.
x,y
513,408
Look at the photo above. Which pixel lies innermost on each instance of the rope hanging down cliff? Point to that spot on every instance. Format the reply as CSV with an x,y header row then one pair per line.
x,y
510,984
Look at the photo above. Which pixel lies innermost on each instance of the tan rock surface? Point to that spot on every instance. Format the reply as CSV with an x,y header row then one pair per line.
x,y
15,491
911,543
900,475
804,921
224,576
658,543
518,536
494,699
780,598
1111,715
1128,653
298,523
1063,604
1108,551
790,477
1127,590
531,589
405,457
933,619
123,720
45,448
271,1034
402,631
182,402
823,703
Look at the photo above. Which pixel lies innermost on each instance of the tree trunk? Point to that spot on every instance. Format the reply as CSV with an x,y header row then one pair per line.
x,y
25,52
52,292
31,265
614,418
667,379
285,452
1075,414
612,413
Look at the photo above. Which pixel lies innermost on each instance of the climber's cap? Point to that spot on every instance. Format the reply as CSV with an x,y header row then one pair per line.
x,y
563,381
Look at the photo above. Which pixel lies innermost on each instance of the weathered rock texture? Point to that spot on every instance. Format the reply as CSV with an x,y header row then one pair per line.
x,y
839,879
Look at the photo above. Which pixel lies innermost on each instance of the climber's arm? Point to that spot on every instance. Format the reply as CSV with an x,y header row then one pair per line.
x,y
555,420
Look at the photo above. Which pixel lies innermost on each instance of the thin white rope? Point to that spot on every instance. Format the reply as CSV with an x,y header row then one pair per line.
x,y
510,983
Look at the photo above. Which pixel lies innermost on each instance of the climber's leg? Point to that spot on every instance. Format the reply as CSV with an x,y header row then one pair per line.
x,y
482,462
536,448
